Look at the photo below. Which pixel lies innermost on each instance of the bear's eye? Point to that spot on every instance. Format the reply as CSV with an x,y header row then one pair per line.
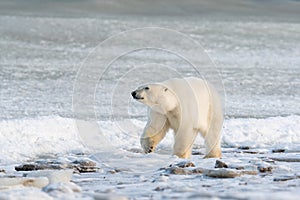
x,y
147,88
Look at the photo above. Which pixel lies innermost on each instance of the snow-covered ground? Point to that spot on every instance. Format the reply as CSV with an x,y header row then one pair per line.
x,y
125,172
43,53
26,139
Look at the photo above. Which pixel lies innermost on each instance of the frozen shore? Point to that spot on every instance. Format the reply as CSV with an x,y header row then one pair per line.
x,y
266,168
26,139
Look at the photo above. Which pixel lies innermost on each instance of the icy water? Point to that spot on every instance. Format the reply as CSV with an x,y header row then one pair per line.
x,y
46,50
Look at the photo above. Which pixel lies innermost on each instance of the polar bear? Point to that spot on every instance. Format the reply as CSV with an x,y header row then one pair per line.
x,y
188,106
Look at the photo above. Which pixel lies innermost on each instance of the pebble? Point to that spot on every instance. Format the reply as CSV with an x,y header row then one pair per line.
x,y
194,152
278,150
84,166
244,147
264,169
183,164
220,164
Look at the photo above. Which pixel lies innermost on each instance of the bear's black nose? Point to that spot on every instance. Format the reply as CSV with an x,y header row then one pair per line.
x,y
133,94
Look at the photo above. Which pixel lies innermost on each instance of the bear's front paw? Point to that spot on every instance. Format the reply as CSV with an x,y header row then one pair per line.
x,y
147,145
150,150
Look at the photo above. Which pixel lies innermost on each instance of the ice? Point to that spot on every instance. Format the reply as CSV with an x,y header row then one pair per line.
x,y
25,193
254,44
55,189
38,182
25,139
276,132
54,176
22,139
124,167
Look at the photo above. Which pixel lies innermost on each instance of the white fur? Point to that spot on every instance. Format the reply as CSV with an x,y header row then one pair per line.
x,y
188,106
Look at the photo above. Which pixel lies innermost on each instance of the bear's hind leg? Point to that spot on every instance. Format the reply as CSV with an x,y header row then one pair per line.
x,y
213,141
214,152
213,136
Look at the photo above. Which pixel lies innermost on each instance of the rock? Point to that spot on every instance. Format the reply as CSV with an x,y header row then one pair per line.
x,y
84,166
206,186
244,168
26,167
194,152
249,172
236,166
84,162
198,170
220,164
244,147
278,150
264,168
178,171
183,164
38,182
2,171
179,168
222,173
79,166
182,171
36,166
261,166
251,152
158,189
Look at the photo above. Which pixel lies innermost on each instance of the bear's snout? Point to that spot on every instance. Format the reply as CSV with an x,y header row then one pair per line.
x,y
136,96
133,94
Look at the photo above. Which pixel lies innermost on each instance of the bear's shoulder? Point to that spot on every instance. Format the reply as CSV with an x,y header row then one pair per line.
x,y
180,83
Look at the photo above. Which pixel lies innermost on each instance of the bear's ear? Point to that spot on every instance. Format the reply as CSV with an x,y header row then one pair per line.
x,y
166,89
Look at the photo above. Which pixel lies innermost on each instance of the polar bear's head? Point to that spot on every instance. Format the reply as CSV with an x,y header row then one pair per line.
x,y
157,96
